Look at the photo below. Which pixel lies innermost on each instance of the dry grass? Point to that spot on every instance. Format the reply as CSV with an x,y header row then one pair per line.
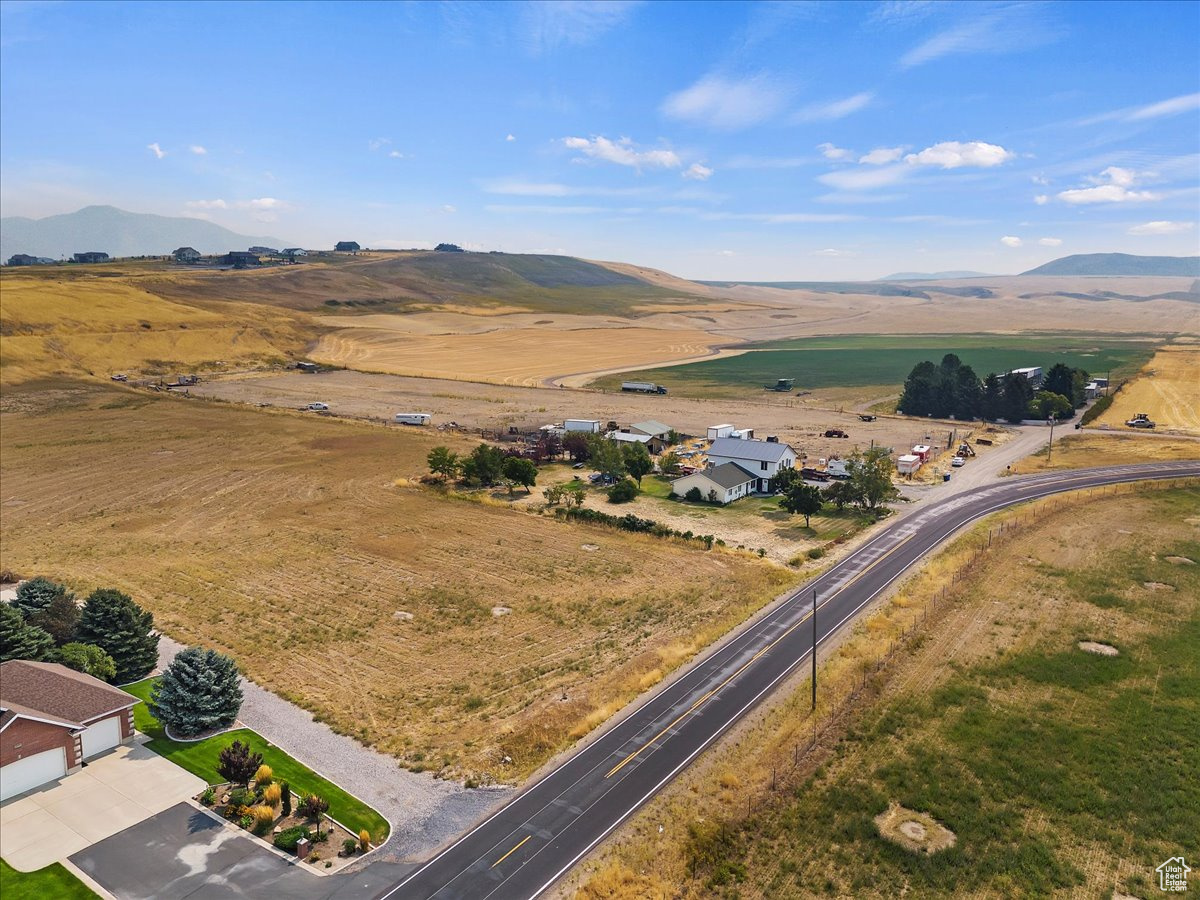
x,y
506,355
989,615
283,540
1078,451
86,325
1167,389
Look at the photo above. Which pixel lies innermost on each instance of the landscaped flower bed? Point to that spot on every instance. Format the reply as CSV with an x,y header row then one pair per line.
x,y
266,809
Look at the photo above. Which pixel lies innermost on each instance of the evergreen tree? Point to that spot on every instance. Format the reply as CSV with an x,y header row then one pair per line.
x,y
1060,379
198,692
19,640
123,630
443,462
920,390
60,618
36,594
993,398
87,658
1016,393
968,394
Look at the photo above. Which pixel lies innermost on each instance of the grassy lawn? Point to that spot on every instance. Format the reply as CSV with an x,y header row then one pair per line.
x,y
885,360
200,758
51,883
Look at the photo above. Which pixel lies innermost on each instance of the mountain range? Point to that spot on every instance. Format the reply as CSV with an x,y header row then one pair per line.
x,y
119,233
1120,264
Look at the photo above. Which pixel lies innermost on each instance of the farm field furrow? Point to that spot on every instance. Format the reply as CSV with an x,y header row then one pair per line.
x,y
1167,390
299,558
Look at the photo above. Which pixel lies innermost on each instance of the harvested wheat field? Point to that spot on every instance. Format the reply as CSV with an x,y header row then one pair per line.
x,y
507,355
1047,763
286,541
87,325
1167,390
1096,448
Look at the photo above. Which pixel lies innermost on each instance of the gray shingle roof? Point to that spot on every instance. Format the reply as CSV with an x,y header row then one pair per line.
x,y
729,475
758,451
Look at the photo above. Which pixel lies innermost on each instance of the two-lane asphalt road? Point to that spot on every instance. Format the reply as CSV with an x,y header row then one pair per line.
x,y
527,845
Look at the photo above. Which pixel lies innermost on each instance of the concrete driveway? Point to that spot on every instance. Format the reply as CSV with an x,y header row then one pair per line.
x,y
112,792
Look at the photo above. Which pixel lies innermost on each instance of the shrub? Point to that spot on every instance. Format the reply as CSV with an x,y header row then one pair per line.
x,y
313,806
241,797
263,816
285,798
199,691
237,764
623,491
290,837
89,659
272,795
694,495
207,797
246,821
816,553
349,845
263,774
364,840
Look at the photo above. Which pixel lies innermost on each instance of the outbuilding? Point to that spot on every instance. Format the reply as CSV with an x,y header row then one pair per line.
x,y
53,719
721,484
908,463
719,431
590,426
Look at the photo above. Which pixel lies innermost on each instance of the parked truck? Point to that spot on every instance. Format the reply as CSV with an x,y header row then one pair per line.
x,y
643,387
413,418
1141,420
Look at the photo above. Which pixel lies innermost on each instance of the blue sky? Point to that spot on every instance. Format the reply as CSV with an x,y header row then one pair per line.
x,y
714,140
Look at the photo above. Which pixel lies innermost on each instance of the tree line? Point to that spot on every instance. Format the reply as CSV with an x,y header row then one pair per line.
x,y
952,389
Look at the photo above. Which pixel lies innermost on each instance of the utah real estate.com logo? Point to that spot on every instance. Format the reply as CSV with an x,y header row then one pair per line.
x,y
1172,875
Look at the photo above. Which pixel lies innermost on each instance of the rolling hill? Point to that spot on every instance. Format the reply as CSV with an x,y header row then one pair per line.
x,y
932,276
1120,264
118,233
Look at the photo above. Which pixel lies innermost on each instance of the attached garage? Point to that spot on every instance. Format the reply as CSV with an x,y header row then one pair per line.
x,y
101,736
52,719
26,774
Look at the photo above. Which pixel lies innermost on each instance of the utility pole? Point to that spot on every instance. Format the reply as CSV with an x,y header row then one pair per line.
x,y
814,651
1050,450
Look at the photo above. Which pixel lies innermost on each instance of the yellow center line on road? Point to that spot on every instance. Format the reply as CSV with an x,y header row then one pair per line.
x,y
512,851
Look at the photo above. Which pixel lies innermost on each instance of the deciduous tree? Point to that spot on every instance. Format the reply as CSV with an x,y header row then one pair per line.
x,y
87,658
871,478
802,499
237,764
637,460
520,471
484,466
443,462
577,444
199,691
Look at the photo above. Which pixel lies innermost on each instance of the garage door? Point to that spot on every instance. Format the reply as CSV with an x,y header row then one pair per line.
x,y
26,774
101,736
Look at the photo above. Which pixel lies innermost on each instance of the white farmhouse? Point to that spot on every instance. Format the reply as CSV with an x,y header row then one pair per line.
x,y
762,459
722,484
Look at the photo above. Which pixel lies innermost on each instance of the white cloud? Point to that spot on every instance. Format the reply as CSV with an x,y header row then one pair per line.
x,y
510,137
158,151
999,28
882,156
697,172
726,104
1161,227
726,253
447,208
198,150
1041,199
395,154
1050,242
1111,186
954,155
834,109
534,209
518,188
865,179
622,153
1170,107
207,204
832,252
550,24
1040,180
1009,241
263,203
829,151
378,143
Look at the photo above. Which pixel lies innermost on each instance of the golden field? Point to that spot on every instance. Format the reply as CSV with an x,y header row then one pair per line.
x,y
1167,390
285,541
1090,448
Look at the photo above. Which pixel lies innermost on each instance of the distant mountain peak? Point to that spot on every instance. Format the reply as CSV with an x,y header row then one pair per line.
x,y
119,232
1120,264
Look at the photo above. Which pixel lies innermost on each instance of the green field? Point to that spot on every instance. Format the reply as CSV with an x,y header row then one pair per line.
x,y
850,361
200,758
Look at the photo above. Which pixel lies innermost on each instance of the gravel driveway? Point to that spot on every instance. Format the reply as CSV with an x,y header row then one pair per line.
x,y
424,812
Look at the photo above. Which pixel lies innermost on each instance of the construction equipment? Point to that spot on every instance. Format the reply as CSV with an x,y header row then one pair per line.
x,y
783,385
835,433
866,417
965,450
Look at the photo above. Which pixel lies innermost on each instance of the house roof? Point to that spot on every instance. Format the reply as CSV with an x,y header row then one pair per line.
x,y
728,475
757,451
652,428
52,692
628,438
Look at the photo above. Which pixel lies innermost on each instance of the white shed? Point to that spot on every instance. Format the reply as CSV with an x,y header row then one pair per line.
x,y
719,431
591,426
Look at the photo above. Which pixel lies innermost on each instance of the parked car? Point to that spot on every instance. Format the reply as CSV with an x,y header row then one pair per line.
x,y
317,407
958,462
577,466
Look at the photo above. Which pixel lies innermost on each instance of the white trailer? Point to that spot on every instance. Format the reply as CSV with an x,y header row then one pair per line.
x,y
643,387
591,426
908,463
742,434
719,431
413,418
